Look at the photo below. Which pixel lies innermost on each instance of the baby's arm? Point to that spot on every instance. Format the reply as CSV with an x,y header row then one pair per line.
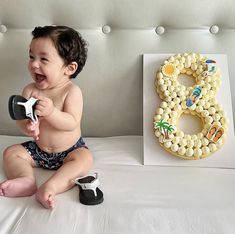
x,y
66,119
29,128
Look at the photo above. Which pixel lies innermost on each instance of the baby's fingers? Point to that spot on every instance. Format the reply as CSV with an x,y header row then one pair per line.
x,y
32,126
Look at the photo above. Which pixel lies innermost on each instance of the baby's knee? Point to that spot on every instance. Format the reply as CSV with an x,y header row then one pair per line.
x,y
10,152
90,158
87,157
82,156
7,152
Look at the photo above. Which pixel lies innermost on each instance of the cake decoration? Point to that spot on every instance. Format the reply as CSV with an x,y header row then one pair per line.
x,y
210,67
215,133
196,94
168,69
165,128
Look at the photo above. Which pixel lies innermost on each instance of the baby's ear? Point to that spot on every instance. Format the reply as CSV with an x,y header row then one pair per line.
x,y
71,68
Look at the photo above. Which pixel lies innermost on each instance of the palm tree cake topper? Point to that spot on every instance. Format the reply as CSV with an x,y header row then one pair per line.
x,y
165,128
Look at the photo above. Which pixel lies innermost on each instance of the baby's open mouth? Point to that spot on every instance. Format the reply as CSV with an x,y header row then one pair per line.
x,y
40,77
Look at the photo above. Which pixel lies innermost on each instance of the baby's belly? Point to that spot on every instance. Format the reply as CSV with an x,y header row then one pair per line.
x,y
57,141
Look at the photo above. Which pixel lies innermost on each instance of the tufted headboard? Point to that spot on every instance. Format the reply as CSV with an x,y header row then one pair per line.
x,y
119,32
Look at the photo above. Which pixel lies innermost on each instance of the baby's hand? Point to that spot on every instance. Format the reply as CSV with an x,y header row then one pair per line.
x,y
33,129
44,106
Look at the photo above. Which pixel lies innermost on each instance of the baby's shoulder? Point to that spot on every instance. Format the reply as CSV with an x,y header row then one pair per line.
x,y
73,89
29,90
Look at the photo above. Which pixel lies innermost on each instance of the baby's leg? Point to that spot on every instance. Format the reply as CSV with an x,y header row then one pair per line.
x,y
76,164
18,166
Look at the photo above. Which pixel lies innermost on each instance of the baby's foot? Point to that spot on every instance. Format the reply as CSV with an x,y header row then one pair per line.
x,y
46,196
18,187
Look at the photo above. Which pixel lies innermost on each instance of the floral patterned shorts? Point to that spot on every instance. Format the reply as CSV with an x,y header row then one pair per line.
x,y
50,160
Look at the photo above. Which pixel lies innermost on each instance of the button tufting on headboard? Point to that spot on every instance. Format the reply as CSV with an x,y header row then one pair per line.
x,y
3,28
106,29
160,30
214,29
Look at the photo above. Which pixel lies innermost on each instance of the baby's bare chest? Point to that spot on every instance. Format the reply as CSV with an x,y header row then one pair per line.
x,y
58,98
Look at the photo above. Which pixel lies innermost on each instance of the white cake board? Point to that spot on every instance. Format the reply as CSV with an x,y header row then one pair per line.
x,y
154,154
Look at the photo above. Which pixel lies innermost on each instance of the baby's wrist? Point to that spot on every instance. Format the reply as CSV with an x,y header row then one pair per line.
x,y
50,115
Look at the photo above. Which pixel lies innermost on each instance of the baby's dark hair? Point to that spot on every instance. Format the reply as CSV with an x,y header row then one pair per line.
x,y
68,42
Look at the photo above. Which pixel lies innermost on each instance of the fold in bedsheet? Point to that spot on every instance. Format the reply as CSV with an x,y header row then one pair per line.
x,y
106,150
137,199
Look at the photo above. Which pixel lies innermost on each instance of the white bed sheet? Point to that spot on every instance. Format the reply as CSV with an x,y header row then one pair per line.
x,y
138,199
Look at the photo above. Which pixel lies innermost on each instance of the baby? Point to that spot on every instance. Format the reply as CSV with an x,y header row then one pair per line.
x,y
56,55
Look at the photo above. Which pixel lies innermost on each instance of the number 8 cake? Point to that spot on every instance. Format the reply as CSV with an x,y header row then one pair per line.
x,y
199,100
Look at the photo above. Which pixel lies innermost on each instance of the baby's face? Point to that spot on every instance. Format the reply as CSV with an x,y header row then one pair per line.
x,y
45,65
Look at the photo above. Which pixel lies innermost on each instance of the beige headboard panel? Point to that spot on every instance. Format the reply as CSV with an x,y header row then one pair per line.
x,y
112,79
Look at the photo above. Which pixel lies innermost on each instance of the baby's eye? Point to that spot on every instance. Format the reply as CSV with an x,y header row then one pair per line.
x,y
31,57
44,59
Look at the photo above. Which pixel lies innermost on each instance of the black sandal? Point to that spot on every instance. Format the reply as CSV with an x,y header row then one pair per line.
x,y
90,194
21,108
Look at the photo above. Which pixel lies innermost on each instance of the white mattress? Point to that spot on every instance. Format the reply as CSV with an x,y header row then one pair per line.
x,y
138,199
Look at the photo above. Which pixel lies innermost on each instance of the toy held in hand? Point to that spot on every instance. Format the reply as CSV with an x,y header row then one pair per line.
x,y
21,108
